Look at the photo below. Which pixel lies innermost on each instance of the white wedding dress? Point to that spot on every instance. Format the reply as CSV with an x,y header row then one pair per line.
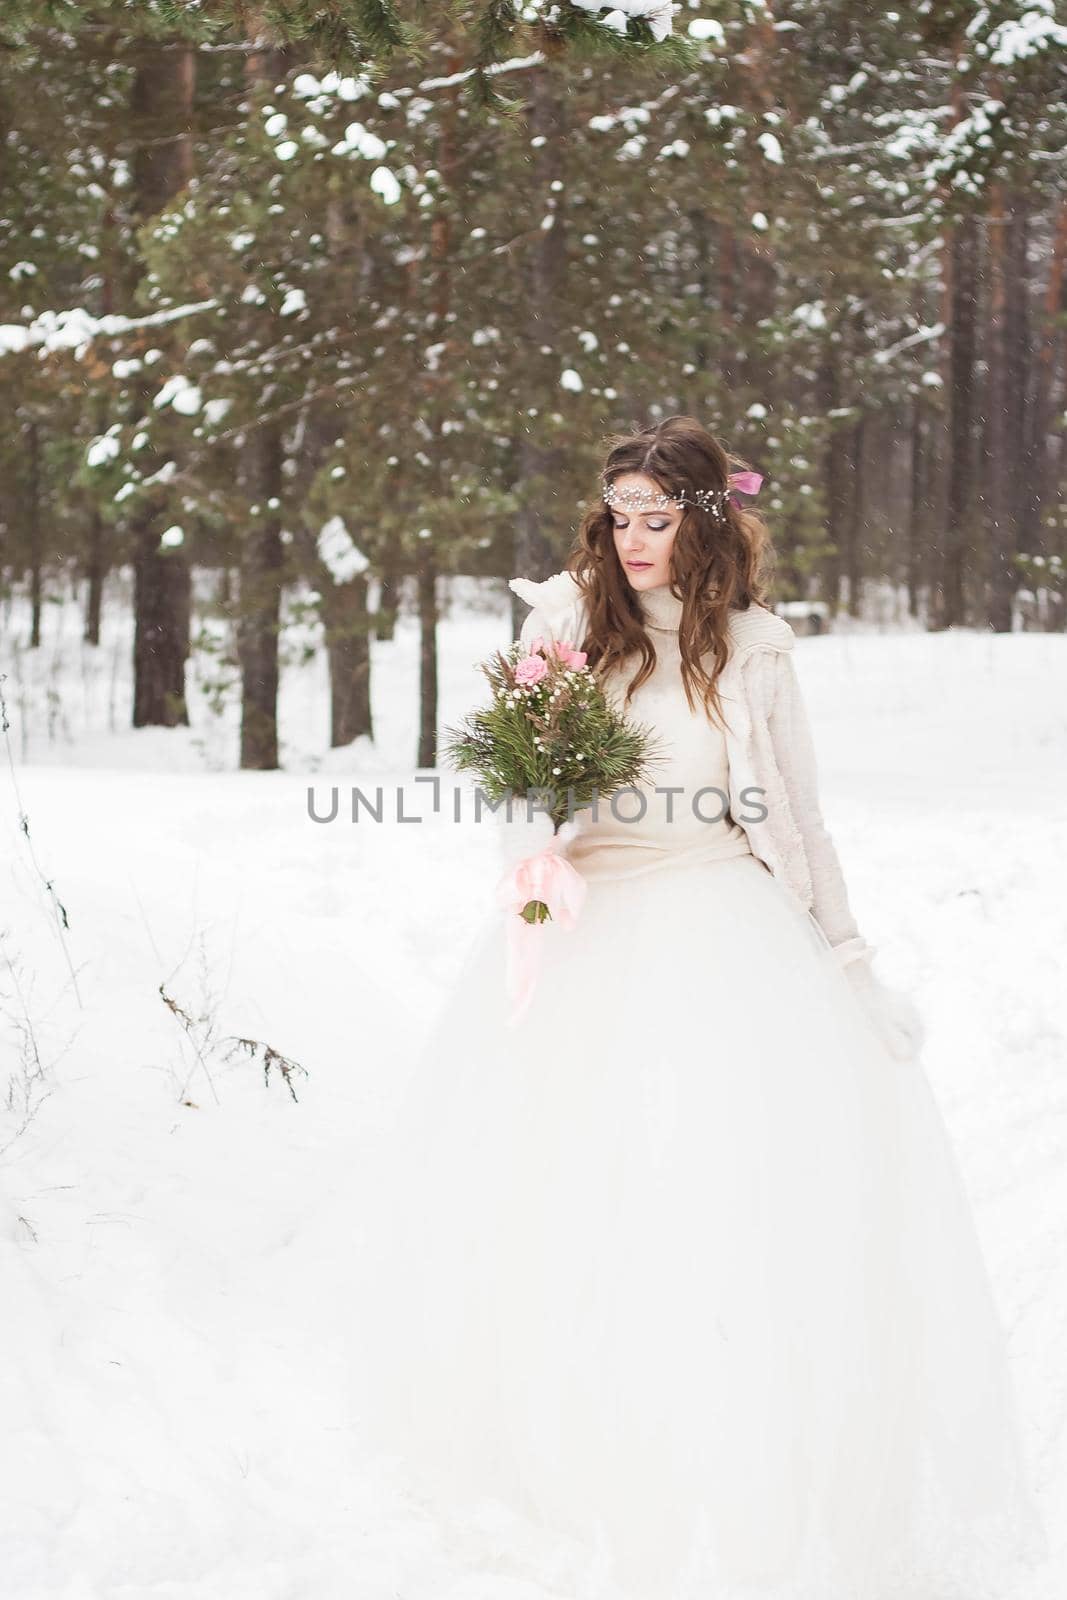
x,y
681,1267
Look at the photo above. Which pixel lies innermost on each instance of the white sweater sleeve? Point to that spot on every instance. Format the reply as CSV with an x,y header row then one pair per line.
x,y
892,1013
535,622
794,755
552,622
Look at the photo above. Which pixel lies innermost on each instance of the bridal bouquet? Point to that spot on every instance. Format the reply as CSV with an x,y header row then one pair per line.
x,y
548,736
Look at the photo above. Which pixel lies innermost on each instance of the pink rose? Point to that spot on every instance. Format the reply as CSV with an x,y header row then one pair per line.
x,y
530,670
537,645
569,656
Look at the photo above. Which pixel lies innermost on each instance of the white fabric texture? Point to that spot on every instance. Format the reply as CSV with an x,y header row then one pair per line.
x,y
683,1270
768,740
657,823
770,752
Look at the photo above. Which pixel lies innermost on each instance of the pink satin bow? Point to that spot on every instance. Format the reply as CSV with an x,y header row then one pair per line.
x,y
747,482
546,876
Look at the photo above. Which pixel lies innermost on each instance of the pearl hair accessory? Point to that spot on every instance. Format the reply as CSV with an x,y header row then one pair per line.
x,y
705,499
713,500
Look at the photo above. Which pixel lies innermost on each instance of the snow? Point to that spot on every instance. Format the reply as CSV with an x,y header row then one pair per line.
x,y
385,183
705,28
176,1393
75,329
104,448
306,86
1018,38
215,410
339,552
811,315
359,141
771,147
180,395
614,14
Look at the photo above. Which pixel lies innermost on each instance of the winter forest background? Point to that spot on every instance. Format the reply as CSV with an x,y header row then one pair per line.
x,y
315,316
308,307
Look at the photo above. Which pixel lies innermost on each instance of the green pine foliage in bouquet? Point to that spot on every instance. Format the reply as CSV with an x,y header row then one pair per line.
x,y
549,728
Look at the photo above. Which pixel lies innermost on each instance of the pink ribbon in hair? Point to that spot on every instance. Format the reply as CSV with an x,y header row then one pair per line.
x,y
747,482
546,876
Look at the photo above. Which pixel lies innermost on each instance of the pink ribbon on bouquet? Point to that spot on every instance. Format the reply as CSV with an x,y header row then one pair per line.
x,y
747,482
546,876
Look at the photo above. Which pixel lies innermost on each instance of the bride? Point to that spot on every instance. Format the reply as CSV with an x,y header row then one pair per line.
x,y
681,1266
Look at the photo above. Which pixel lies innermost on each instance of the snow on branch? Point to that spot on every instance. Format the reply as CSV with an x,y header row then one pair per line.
x,y
934,330
76,329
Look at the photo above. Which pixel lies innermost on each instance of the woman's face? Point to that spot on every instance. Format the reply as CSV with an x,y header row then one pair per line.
x,y
643,539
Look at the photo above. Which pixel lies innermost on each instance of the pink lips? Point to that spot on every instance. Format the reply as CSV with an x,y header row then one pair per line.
x,y
639,565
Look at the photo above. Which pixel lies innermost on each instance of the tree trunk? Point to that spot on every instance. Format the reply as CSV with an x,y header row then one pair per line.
x,y
261,558
1048,352
960,319
259,614
33,528
913,570
98,540
348,625
160,127
729,319
439,402
758,363
540,457
427,587
1007,354
836,477
388,600
95,568
853,551
161,601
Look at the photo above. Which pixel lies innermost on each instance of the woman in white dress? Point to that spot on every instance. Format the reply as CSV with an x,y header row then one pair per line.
x,y
681,1266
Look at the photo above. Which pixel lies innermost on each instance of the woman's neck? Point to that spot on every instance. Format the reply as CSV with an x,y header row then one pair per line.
x,y
661,609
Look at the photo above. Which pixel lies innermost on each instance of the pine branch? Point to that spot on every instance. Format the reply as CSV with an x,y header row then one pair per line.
x,y
559,735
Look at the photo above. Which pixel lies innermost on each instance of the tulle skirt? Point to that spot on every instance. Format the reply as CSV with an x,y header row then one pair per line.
x,y
682,1268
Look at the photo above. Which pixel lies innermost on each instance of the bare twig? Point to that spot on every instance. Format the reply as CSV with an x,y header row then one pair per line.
x,y
59,909
201,1033
270,1058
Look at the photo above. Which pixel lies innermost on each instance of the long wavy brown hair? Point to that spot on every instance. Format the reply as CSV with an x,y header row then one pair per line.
x,y
718,562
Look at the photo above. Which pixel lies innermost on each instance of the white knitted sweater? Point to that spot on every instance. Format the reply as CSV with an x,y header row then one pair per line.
x,y
770,748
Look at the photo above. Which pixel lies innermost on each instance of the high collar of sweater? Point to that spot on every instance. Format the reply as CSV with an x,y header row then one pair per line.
x,y
661,609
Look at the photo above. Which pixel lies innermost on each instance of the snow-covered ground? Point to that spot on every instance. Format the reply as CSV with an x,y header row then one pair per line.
x,y
173,1345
